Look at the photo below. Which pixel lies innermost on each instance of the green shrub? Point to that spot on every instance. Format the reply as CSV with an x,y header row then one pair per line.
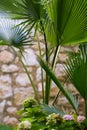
x,y
35,117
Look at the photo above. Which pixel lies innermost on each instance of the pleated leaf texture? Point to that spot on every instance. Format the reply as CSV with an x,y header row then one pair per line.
x,y
76,70
65,21
68,21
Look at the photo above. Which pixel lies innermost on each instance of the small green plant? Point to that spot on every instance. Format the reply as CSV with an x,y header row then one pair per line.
x,y
35,117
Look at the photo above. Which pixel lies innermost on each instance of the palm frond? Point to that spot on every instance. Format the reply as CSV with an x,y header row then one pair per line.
x,y
74,99
65,92
31,11
76,70
12,35
65,20
51,109
68,21
8,6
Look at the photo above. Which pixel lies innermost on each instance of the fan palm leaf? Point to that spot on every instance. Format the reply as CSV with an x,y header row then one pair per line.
x,y
12,35
31,11
52,109
65,21
68,21
76,70
7,5
15,36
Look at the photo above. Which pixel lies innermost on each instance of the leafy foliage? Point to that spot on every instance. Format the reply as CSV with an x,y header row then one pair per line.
x,y
4,6
76,70
61,18
66,93
13,35
51,109
37,118
64,17
30,11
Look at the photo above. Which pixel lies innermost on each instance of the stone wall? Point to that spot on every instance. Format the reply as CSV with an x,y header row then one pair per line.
x,y
14,83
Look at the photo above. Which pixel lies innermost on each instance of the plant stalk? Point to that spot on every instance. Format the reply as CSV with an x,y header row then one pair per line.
x,y
53,65
55,57
29,77
42,79
47,61
57,82
31,81
56,97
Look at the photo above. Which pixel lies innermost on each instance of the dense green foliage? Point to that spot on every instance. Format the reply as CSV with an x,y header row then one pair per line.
x,y
36,117
61,17
76,70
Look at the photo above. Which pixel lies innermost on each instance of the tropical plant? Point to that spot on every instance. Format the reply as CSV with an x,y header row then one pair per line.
x,y
15,36
60,22
76,70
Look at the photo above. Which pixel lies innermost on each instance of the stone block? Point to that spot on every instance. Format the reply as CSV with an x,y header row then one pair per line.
x,y
5,91
9,68
22,79
2,106
6,57
29,58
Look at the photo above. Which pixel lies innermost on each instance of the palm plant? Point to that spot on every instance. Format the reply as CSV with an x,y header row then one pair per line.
x,y
61,22
15,36
76,70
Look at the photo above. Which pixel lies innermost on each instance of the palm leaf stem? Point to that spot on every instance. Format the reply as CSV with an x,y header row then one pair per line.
x,y
53,66
57,82
42,81
45,40
47,91
56,97
55,57
29,77
31,81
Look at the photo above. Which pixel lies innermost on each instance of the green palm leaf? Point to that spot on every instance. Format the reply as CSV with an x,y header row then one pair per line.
x,y
65,20
13,35
76,70
16,36
68,21
67,94
8,6
51,109
31,11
